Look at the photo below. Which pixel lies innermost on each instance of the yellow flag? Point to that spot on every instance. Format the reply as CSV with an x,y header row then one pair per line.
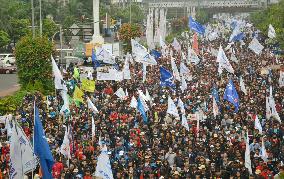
x,y
78,95
88,85
76,74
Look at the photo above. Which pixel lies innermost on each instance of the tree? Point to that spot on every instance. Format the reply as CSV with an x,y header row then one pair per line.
x,y
20,28
49,27
273,15
137,14
33,63
4,38
202,16
128,32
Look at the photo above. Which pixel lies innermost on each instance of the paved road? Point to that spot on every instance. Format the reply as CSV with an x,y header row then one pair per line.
x,y
8,84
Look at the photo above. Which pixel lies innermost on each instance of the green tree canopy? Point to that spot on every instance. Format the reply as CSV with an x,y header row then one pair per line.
x,y
4,38
33,62
49,27
273,15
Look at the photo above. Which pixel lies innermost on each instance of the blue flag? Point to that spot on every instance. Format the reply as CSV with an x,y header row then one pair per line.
x,y
156,54
95,61
231,95
196,26
215,94
166,78
238,37
142,110
41,148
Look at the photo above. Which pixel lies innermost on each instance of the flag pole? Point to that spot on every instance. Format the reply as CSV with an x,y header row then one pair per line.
x,y
33,140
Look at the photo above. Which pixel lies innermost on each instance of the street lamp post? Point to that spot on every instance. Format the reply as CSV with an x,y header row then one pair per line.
x,y
33,18
40,19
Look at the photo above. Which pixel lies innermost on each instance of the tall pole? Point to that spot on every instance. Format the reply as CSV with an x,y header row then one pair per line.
x,y
61,43
33,18
40,19
130,10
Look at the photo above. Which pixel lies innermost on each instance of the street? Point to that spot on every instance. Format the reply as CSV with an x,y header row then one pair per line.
x,y
8,84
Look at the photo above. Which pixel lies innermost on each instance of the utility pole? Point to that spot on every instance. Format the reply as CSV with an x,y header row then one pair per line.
x,y
33,18
61,43
40,19
130,10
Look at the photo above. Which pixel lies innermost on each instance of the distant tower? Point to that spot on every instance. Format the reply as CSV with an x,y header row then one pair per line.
x,y
97,38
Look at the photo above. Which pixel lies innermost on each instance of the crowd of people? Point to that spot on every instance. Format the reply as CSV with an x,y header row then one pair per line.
x,y
162,147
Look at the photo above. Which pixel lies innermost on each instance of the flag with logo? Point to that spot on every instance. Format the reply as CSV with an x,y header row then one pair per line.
x,y
103,168
167,79
196,26
192,57
141,109
78,95
88,85
184,122
141,55
22,160
65,146
255,46
104,55
271,32
223,62
175,69
172,109
231,95
41,148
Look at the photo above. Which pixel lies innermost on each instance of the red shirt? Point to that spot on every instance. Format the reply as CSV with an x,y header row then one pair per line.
x,y
87,177
56,169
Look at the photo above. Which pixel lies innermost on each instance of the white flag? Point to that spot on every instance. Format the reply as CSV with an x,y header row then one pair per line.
x,y
172,109
272,106
162,43
176,45
133,102
223,62
93,128
281,79
141,55
184,71
247,155
268,110
215,108
184,122
271,32
126,70
242,85
120,93
22,160
183,86
263,153
175,69
257,124
104,55
192,57
234,58
65,146
255,46
92,106
143,100
144,72
65,107
103,168
58,78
